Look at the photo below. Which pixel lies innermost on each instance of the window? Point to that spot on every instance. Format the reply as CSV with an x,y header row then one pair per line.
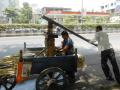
x,y
111,4
102,7
106,6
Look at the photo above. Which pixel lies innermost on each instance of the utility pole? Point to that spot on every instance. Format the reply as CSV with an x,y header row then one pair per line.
x,y
81,14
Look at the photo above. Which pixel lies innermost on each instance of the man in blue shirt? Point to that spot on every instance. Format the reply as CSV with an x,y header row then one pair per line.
x,y
67,48
67,44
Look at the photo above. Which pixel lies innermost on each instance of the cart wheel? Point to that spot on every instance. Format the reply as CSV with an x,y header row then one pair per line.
x,y
51,79
9,82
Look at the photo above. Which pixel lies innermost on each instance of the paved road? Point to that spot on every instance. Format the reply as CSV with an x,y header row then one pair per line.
x,y
90,78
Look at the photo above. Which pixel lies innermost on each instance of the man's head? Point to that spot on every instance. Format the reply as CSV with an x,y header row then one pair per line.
x,y
98,28
64,35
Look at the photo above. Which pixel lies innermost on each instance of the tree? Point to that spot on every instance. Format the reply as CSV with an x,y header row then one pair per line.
x,y
11,13
26,13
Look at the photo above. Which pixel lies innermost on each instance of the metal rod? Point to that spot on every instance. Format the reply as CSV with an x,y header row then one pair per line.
x,y
66,29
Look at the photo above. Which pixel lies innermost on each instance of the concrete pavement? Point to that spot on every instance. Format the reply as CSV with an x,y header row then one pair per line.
x,y
91,76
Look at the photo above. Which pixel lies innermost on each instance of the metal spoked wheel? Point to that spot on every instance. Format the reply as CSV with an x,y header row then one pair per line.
x,y
9,82
51,79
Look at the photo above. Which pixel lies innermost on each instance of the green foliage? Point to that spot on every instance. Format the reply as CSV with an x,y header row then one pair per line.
x,y
3,27
26,13
70,20
10,12
92,26
71,27
95,19
23,15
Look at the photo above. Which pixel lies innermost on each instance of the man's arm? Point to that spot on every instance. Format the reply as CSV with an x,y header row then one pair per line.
x,y
94,39
65,48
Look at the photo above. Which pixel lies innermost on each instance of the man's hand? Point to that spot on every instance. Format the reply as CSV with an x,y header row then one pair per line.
x,y
92,42
61,50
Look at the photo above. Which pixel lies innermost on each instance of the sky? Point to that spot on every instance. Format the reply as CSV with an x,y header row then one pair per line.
x,y
74,4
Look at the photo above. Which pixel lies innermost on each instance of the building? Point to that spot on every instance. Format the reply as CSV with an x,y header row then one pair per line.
x,y
6,4
47,9
59,14
111,7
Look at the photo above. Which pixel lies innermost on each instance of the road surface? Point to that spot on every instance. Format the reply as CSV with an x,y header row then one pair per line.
x,y
92,74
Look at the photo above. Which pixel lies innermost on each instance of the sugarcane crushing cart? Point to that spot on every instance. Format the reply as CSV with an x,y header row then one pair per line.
x,y
53,69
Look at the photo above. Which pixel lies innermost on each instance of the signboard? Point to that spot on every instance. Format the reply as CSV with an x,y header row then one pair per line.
x,y
55,12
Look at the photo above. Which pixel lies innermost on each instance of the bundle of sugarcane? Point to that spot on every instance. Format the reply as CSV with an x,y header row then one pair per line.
x,y
8,65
